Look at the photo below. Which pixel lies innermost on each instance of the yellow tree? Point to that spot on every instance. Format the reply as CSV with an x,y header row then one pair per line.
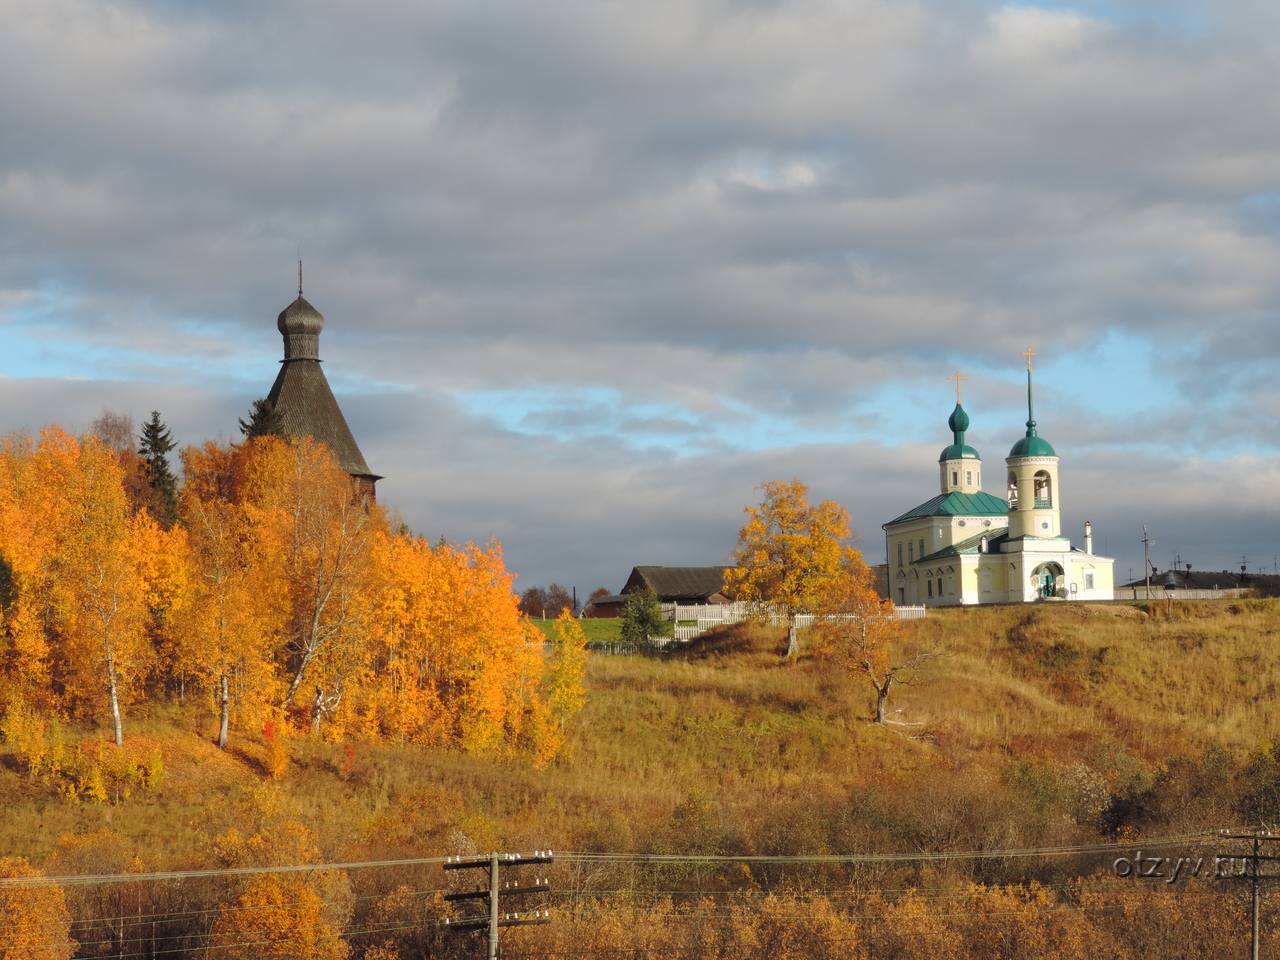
x,y
278,916
234,610
34,921
451,658
293,915
318,535
791,557
403,698
30,512
499,703
565,669
106,563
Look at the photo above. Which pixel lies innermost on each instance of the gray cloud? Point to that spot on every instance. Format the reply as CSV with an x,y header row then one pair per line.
x,y
594,270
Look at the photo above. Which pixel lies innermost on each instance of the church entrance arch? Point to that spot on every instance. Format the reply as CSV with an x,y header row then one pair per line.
x,y
1047,578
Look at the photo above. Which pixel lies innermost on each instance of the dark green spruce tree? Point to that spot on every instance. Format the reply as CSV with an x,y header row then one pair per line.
x,y
156,443
264,421
642,617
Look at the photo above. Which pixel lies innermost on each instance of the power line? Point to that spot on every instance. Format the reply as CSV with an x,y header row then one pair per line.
x,y
621,858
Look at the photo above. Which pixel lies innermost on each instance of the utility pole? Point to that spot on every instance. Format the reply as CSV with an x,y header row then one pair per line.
x,y
1146,551
1255,876
494,862
1256,858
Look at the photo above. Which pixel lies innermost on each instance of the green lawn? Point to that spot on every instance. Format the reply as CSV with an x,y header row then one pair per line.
x,y
602,630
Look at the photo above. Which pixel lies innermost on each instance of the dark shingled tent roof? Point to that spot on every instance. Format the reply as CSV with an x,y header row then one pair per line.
x,y
301,394
678,583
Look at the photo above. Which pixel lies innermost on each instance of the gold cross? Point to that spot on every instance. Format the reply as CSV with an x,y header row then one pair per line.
x,y
1028,354
957,378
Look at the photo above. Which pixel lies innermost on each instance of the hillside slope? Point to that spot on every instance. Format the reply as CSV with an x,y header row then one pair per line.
x,y
1037,727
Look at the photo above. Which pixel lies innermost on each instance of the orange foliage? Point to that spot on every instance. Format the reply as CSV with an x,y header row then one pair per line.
x,y
452,660
85,573
278,916
318,539
790,554
792,557
34,922
226,631
278,581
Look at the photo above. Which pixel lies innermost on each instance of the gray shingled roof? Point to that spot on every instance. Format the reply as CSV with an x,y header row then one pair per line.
x,y
677,583
301,394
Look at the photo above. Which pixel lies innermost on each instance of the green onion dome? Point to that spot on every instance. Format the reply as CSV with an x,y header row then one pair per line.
x,y
959,423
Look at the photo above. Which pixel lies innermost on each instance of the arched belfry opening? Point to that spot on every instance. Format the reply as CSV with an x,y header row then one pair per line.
x,y
1044,489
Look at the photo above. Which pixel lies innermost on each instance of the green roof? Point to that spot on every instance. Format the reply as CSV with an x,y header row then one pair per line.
x,y
957,504
1032,446
994,536
958,451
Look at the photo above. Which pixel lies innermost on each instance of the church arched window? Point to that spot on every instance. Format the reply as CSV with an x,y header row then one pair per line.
x,y
911,551
1044,489
899,553
1013,492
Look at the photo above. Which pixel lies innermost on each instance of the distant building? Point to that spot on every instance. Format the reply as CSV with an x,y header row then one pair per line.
x,y
671,584
303,400
966,546
1229,582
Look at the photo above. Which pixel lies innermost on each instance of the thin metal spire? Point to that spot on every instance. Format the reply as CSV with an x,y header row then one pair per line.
x,y
1031,416
299,276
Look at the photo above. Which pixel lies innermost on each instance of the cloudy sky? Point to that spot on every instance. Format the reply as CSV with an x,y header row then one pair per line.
x,y
592,270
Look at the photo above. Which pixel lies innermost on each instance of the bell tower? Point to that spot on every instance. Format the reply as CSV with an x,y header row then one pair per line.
x,y
1034,499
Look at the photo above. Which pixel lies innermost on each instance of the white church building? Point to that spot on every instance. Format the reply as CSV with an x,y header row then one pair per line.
x,y
965,546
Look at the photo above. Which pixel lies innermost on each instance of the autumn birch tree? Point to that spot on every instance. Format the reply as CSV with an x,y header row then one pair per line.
x,y
565,668
31,512
319,537
101,578
791,556
235,607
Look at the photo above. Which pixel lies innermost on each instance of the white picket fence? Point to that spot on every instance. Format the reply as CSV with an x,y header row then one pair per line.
x,y
704,616
1159,592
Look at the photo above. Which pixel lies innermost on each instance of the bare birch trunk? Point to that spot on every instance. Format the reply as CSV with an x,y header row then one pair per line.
x,y
224,713
113,687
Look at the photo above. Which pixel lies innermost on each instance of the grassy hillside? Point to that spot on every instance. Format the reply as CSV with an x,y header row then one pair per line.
x,y
1112,693
1038,726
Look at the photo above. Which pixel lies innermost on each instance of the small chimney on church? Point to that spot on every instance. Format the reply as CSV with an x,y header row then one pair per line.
x,y
1088,537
